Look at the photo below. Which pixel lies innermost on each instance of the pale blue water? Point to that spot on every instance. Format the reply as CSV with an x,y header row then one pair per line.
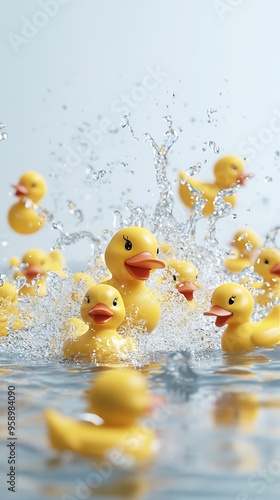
x,y
212,445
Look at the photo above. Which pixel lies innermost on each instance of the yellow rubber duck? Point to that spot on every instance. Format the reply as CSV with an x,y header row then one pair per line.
x,y
184,278
130,256
24,220
37,263
103,311
245,243
9,313
267,265
228,171
119,398
233,306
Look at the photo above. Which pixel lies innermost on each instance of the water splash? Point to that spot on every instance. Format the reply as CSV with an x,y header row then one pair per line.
x,y
164,222
212,145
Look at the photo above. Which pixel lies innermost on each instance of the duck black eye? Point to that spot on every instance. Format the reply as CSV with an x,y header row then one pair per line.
x,y
33,185
231,300
115,302
157,251
234,167
174,277
128,243
42,262
266,261
88,299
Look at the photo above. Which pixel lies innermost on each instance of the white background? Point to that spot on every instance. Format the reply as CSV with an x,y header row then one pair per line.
x,y
88,57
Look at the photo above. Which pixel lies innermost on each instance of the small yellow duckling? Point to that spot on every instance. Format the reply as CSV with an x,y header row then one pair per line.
x,y
8,308
103,311
267,265
228,171
37,263
25,220
130,256
245,242
119,398
233,306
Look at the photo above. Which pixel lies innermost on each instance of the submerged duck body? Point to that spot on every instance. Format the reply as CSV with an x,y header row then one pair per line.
x,y
130,256
228,172
23,219
119,398
233,306
102,312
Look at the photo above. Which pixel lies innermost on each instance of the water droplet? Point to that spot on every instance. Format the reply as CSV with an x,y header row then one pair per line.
x,y
268,179
234,216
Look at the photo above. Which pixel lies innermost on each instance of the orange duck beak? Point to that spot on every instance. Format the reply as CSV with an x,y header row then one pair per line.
x,y
20,190
100,314
187,290
276,269
222,315
244,177
141,265
32,271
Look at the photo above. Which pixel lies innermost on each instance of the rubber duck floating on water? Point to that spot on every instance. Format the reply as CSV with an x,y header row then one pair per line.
x,y
130,256
233,306
119,398
103,312
228,172
9,312
37,264
23,219
245,243
267,265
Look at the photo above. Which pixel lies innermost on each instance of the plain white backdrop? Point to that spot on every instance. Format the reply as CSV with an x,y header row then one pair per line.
x,y
71,69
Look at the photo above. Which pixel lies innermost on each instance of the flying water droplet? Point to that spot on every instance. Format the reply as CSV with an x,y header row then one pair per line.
x,y
268,179
74,210
3,135
209,114
126,123
195,169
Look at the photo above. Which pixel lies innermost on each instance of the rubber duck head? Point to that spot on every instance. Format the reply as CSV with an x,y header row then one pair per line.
x,y
36,261
132,254
184,278
246,241
119,397
231,303
103,307
229,171
267,264
31,185
8,294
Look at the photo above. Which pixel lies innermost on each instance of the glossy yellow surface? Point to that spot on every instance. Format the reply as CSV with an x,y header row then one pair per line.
x,y
103,312
37,263
233,306
25,220
245,243
9,313
267,265
120,398
130,256
228,171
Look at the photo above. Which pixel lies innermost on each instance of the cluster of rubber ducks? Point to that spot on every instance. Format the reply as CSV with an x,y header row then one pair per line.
x,y
119,397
